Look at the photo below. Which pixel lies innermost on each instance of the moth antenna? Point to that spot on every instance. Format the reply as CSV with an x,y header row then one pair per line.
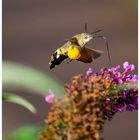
x,y
97,31
86,28
107,46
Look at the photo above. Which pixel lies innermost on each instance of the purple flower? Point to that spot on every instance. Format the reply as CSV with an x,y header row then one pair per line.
x,y
118,109
50,98
117,78
129,108
89,72
125,65
113,69
128,99
107,99
135,78
132,78
128,67
123,95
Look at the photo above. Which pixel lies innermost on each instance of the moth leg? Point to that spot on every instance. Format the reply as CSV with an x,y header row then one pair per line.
x,y
69,61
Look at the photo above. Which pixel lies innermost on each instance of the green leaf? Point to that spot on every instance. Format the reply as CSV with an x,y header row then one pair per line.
x,y
25,133
130,85
21,76
9,97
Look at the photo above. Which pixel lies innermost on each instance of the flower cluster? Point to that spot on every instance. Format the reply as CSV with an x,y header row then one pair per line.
x,y
89,101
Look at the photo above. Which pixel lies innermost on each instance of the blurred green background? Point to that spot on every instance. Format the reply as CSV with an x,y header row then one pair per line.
x,y
33,30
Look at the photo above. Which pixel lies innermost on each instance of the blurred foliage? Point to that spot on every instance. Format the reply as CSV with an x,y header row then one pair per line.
x,y
21,76
25,133
9,97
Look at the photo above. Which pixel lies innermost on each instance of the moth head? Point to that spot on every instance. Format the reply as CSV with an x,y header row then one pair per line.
x,y
83,38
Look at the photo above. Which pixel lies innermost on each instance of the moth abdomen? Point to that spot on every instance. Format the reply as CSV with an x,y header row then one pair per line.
x,y
57,59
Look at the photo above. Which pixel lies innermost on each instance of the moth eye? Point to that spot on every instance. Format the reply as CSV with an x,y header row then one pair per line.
x,y
86,37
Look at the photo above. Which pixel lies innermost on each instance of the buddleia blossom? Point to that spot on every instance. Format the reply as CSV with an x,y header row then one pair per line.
x,y
91,100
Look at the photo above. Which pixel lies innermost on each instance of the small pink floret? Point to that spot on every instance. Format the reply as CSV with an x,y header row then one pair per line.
x,y
132,67
49,98
125,65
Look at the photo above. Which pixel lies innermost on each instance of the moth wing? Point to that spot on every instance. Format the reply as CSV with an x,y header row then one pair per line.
x,y
94,53
88,54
